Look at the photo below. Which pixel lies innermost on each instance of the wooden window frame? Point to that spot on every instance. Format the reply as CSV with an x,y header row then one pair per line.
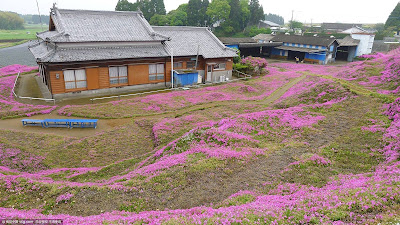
x,y
157,74
217,66
178,67
188,63
119,83
75,81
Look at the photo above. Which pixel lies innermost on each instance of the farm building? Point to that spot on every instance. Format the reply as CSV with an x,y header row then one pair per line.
x,y
87,53
347,49
249,46
268,24
308,49
366,39
263,38
338,27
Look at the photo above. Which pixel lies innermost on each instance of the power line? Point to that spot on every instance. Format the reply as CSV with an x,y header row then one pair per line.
x,y
40,17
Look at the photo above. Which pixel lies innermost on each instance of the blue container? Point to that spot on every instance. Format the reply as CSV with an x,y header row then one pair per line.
x,y
184,79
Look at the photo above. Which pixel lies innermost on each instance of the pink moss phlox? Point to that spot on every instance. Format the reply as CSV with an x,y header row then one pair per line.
x,y
14,69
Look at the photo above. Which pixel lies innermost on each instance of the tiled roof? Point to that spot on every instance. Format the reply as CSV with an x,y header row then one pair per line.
x,y
339,26
100,26
348,41
306,40
42,54
186,40
83,35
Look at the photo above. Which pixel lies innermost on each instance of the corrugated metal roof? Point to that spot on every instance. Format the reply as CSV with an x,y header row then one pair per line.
x,y
100,26
264,37
299,49
306,40
230,40
186,40
348,41
270,23
96,54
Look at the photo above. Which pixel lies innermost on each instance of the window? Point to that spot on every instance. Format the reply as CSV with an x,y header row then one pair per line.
x,y
156,72
75,79
190,64
118,74
220,66
178,65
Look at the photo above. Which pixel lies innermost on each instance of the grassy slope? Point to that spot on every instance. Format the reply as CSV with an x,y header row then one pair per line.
x,y
206,180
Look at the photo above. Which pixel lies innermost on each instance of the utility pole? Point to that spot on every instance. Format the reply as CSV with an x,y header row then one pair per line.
x,y
291,21
40,17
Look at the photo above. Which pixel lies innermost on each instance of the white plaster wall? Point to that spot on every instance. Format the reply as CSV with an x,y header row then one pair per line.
x,y
366,43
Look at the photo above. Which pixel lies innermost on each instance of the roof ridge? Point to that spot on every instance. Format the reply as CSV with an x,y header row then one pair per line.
x,y
218,41
101,11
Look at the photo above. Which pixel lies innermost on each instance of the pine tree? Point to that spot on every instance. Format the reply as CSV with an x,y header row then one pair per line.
x,y
256,12
393,22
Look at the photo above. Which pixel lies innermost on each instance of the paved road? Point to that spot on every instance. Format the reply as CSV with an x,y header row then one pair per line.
x,y
17,55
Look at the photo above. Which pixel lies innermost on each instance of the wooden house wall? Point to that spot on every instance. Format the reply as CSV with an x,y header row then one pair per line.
x,y
97,73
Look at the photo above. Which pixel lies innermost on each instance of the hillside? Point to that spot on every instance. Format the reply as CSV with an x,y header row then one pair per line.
x,y
302,144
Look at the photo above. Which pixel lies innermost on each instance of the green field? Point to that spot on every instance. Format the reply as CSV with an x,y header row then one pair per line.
x,y
28,33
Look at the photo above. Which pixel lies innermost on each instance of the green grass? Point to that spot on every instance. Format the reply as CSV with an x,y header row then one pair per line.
x,y
29,33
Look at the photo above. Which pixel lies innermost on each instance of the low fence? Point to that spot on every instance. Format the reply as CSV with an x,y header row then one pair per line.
x,y
30,98
240,75
128,95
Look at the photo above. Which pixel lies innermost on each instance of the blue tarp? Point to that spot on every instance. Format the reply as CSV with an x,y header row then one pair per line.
x,y
186,78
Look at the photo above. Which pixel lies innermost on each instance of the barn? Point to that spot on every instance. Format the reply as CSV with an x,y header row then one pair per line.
x,y
309,49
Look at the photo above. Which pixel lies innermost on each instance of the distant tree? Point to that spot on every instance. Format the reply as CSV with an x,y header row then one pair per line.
x,y
124,5
274,18
219,10
245,13
11,21
149,8
158,7
254,30
295,24
393,21
203,12
177,18
183,7
381,31
159,20
235,15
193,12
256,12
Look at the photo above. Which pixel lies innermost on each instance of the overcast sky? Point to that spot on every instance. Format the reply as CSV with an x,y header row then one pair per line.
x,y
345,11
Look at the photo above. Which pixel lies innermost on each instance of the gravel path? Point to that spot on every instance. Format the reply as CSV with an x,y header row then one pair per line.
x,y
19,54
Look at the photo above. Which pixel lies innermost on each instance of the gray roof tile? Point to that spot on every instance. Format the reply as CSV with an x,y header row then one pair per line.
x,y
307,40
100,26
97,54
186,40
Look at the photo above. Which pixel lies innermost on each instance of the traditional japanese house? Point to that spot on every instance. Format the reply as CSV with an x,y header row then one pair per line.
x,y
89,53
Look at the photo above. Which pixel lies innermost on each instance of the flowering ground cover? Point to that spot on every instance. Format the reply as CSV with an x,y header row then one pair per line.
x,y
15,69
167,102
9,107
320,154
379,72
